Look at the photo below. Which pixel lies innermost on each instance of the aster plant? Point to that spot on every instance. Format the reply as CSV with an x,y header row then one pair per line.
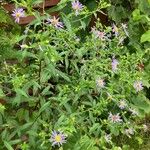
x,y
86,84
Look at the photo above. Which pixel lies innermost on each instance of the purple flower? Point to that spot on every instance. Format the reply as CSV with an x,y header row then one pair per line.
x,y
55,22
122,104
114,64
100,83
17,13
114,118
138,86
100,35
77,7
57,138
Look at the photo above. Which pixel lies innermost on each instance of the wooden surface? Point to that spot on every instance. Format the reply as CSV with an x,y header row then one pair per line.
x,y
48,3
26,20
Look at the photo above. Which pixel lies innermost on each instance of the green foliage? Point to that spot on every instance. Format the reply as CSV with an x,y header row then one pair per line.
x,y
72,80
8,32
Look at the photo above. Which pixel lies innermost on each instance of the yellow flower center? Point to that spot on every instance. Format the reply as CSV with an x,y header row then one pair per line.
x,y
76,7
58,138
17,15
55,21
100,82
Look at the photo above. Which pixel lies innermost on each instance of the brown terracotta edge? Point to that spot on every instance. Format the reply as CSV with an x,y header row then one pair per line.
x,y
48,3
28,19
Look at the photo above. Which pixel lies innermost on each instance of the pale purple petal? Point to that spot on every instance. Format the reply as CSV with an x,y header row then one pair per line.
x,y
114,64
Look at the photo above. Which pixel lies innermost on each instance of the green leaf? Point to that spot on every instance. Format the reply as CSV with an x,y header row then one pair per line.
x,y
46,90
2,108
145,37
94,127
14,142
141,102
1,93
8,146
66,22
21,92
44,107
136,15
83,25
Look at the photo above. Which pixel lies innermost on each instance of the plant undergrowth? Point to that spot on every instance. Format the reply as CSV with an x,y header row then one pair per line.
x,y
67,86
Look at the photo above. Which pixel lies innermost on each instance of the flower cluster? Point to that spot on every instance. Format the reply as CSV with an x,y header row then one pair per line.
x,y
76,6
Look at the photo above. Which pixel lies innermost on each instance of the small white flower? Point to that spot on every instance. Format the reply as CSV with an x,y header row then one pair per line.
x,y
129,132
115,30
108,138
145,127
134,112
122,104
100,83
124,26
24,46
77,39
138,86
